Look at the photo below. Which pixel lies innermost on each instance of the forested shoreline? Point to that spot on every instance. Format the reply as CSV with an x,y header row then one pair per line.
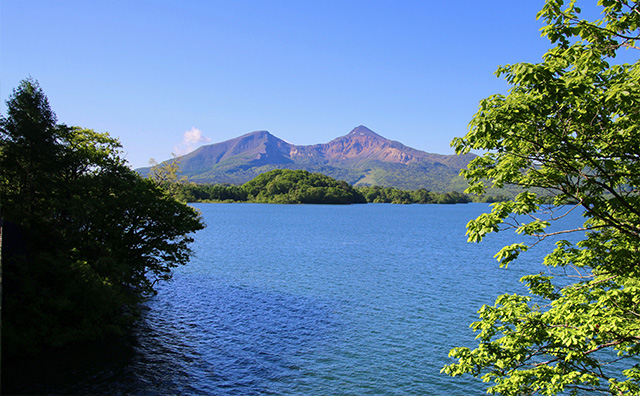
x,y
284,186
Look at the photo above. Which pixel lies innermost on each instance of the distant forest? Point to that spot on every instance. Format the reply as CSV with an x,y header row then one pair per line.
x,y
299,187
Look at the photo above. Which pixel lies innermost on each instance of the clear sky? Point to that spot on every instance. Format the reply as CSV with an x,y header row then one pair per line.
x,y
156,72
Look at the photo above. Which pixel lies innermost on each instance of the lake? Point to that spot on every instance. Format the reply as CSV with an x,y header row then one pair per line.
x,y
312,300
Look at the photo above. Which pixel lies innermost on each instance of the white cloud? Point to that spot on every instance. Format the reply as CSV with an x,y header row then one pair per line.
x,y
191,140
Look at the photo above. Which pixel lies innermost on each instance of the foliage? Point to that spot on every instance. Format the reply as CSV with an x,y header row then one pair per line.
x,y
86,237
167,176
313,192
377,194
213,193
299,186
571,126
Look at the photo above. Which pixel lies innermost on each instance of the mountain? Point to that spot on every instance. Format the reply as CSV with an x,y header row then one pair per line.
x,y
361,157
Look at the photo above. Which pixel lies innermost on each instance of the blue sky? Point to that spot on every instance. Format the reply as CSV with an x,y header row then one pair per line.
x,y
154,72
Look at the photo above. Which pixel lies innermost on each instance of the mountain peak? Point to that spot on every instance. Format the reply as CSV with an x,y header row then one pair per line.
x,y
361,157
363,131
258,133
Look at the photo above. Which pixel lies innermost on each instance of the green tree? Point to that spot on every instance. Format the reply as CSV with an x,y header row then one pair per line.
x,y
89,236
167,176
570,126
299,186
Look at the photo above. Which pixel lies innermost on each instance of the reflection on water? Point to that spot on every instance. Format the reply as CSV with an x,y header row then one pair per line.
x,y
69,370
300,300
230,341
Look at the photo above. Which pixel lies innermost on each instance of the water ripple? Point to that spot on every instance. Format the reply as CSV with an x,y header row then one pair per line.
x,y
314,300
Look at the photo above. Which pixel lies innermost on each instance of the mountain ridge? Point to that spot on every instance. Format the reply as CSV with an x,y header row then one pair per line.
x,y
362,157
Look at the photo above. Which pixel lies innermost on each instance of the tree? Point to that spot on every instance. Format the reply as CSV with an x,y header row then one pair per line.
x,y
90,236
29,138
288,186
166,175
570,125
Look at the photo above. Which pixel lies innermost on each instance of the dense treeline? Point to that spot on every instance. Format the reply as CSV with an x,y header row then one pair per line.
x,y
296,187
377,194
212,193
84,238
300,186
277,186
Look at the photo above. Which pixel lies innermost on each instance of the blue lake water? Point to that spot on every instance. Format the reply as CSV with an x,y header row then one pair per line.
x,y
317,300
